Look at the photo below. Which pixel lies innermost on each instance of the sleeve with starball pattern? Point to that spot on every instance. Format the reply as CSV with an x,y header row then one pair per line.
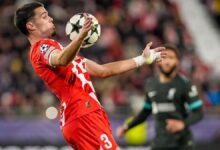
x,y
46,48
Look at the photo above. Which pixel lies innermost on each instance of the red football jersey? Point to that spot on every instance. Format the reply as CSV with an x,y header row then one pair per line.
x,y
71,83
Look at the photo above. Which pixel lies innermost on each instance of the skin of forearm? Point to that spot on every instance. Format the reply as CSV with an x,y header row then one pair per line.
x,y
70,51
119,67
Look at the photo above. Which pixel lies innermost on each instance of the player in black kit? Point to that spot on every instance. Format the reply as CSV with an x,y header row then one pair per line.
x,y
174,102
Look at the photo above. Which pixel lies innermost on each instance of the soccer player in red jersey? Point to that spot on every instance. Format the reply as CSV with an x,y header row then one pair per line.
x,y
84,123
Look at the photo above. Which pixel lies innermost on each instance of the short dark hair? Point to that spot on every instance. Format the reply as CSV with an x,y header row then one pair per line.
x,y
174,49
24,14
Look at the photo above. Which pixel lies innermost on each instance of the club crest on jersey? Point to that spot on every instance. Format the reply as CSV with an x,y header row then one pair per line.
x,y
44,48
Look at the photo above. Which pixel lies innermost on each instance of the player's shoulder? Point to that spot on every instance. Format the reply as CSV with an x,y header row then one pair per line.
x,y
44,45
151,80
150,83
183,79
49,41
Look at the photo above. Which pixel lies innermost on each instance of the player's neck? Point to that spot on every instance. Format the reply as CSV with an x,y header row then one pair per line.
x,y
164,78
34,38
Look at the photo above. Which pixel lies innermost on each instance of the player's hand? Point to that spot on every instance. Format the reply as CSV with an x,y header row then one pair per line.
x,y
120,132
156,54
174,125
86,26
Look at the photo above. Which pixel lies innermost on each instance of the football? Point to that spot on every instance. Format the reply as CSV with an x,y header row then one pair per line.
x,y
74,25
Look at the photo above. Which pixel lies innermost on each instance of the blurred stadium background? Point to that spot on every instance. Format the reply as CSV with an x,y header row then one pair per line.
x,y
28,111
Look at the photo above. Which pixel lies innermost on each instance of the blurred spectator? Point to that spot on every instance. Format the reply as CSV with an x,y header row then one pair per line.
x,y
214,8
213,93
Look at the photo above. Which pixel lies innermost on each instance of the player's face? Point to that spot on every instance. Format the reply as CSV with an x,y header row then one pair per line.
x,y
169,64
43,23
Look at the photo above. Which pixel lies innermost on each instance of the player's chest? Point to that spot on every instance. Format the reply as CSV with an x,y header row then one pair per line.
x,y
165,93
78,67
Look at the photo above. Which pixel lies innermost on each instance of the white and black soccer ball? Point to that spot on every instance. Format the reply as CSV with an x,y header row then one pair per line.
x,y
74,25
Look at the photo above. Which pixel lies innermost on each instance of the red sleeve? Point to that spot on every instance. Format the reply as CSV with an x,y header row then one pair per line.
x,y
45,48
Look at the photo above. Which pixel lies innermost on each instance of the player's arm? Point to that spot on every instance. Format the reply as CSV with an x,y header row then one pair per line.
x,y
67,54
195,105
141,117
195,108
114,68
195,116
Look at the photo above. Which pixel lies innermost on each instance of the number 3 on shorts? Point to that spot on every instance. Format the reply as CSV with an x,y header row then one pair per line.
x,y
106,141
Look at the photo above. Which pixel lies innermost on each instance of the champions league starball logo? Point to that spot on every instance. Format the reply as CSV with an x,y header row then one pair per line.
x,y
44,48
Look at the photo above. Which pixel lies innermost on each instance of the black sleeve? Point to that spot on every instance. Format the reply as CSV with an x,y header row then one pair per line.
x,y
141,117
145,112
194,104
195,116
